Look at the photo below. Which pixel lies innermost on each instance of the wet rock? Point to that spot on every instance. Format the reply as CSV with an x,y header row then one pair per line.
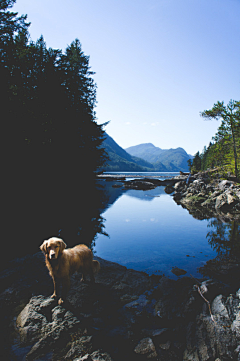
x,y
169,189
139,184
178,271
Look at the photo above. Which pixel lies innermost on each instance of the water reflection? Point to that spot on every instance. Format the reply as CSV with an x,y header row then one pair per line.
x,y
224,238
147,230
146,196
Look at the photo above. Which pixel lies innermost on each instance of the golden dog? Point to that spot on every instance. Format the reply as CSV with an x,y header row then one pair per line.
x,y
62,263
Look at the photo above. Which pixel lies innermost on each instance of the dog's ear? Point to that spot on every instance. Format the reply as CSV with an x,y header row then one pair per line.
x,y
43,247
62,245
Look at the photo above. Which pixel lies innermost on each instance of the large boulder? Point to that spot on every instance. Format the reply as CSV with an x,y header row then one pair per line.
x,y
226,201
146,347
209,338
45,325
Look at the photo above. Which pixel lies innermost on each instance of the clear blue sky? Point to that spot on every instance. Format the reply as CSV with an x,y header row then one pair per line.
x,y
158,63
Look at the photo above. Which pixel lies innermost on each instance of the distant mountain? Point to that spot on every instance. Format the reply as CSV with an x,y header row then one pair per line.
x,y
172,159
144,158
120,160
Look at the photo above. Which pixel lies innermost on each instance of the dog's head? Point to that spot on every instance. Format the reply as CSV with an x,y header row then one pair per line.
x,y
53,247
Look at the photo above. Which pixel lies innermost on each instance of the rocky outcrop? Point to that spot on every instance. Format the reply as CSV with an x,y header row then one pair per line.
x,y
209,338
209,197
140,182
151,183
125,315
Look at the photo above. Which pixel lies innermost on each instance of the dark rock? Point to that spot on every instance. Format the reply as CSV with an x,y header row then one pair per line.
x,y
209,338
45,325
126,315
178,271
139,184
117,185
82,346
169,189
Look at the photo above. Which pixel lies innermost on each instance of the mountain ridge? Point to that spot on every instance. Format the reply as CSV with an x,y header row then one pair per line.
x,y
129,159
171,158
120,160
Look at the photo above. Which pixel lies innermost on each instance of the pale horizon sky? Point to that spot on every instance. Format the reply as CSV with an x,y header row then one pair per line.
x,y
158,63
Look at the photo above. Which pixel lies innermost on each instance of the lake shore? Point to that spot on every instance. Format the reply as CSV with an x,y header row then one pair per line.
x,y
203,194
129,314
208,196
126,315
126,175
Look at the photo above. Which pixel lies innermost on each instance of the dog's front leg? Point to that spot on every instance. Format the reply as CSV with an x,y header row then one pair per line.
x,y
54,295
65,289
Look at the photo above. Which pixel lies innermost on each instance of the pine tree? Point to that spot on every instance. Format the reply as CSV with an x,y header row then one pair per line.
x,y
48,102
227,137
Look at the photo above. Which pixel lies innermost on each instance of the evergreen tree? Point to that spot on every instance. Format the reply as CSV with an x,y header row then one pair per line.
x,y
189,162
227,137
49,100
196,163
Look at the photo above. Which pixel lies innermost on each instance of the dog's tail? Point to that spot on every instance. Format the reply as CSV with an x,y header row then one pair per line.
x,y
96,266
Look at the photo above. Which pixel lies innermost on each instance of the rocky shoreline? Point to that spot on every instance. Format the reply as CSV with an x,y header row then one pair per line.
x,y
126,315
205,195
208,196
140,182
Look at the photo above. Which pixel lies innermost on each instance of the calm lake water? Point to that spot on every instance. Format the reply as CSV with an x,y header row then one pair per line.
x,y
149,232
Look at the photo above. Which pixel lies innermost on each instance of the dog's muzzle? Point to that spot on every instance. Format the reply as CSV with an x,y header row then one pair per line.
x,y
52,255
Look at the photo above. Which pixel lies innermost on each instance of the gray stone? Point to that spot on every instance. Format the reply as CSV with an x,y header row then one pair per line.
x,y
95,356
80,347
43,323
225,184
220,336
146,347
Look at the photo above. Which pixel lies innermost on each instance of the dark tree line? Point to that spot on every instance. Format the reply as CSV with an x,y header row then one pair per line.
x,y
47,102
50,141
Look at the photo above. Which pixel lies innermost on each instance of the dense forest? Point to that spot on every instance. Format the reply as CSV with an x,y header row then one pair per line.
x,y
224,150
47,102
51,142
